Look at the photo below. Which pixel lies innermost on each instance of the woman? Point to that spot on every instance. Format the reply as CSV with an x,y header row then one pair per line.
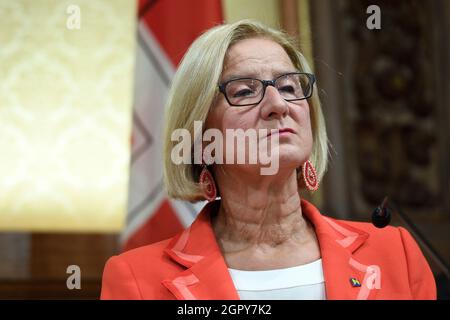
x,y
260,240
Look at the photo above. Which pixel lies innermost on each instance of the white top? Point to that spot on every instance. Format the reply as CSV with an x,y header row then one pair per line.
x,y
305,282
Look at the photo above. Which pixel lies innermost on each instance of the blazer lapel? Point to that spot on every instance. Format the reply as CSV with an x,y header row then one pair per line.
x,y
345,276
206,276
337,271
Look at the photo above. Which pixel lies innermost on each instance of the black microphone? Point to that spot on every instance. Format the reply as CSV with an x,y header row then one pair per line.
x,y
381,216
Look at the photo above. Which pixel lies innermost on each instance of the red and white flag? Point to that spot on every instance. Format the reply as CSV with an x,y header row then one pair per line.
x,y
166,28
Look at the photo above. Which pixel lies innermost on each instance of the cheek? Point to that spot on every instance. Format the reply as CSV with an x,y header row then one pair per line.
x,y
238,120
214,118
301,116
233,118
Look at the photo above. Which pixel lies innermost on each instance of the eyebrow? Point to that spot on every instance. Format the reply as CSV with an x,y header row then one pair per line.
x,y
254,75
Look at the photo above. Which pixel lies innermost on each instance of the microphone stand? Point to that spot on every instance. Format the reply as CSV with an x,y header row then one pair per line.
x,y
382,212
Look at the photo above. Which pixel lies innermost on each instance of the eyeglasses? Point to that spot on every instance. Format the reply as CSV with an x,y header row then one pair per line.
x,y
249,91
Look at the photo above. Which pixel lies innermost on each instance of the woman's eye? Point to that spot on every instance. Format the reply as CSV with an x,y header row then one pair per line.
x,y
243,93
289,89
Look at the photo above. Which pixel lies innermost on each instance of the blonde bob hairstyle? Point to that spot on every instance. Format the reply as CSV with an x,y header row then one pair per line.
x,y
195,87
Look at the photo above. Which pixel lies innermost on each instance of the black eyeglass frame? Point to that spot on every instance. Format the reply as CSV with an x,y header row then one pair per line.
x,y
311,77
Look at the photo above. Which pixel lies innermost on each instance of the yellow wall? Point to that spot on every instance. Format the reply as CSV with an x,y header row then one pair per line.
x,y
65,114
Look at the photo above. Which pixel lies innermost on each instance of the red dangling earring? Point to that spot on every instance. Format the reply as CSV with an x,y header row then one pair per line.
x,y
208,185
310,176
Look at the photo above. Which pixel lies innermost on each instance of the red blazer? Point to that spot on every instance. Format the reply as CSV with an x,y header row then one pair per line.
x,y
386,262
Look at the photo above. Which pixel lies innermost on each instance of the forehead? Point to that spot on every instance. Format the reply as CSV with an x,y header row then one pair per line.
x,y
256,57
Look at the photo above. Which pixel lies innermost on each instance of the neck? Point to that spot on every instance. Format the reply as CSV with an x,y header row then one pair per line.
x,y
265,211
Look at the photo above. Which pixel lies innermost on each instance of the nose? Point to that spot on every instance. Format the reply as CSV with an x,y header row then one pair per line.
x,y
273,105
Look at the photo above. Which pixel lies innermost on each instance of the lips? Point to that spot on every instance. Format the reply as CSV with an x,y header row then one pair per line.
x,y
283,130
